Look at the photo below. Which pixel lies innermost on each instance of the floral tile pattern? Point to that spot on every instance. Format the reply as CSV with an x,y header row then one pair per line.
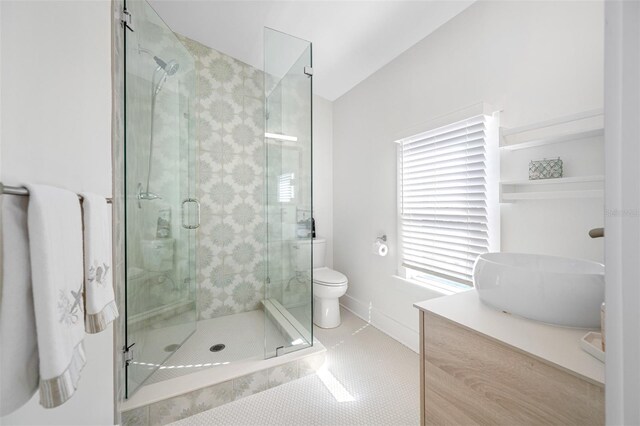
x,y
232,184
136,417
183,406
189,404
283,373
230,129
251,384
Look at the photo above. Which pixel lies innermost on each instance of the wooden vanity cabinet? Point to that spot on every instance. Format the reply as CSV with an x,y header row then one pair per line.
x,y
468,378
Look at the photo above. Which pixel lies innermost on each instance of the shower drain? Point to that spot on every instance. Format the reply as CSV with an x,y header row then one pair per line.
x,y
217,348
171,348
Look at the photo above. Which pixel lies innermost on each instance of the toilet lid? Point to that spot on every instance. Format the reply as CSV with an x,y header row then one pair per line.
x,y
326,276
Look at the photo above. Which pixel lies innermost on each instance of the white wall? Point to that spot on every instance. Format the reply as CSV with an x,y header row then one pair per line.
x,y
622,105
56,116
323,172
535,61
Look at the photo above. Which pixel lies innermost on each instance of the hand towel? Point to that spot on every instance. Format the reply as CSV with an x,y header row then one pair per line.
x,y
55,244
100,303
18,344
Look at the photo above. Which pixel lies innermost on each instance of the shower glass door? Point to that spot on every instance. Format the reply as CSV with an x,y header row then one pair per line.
x,y
288,102
161,212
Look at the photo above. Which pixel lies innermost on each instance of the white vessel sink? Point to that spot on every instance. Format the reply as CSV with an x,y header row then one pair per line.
x,y
549,289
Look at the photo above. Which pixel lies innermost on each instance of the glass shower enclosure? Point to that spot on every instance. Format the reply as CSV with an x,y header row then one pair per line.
x,y
161,209
288,100
169,90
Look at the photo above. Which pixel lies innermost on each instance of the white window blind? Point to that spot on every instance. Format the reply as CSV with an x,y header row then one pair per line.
x,y
443,195
286,189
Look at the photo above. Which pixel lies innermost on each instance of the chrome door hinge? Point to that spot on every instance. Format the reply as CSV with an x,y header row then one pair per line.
x,y
308,71
126,19
127,355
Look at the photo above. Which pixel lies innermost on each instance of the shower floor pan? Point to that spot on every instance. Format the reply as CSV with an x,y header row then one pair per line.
x,y
194,366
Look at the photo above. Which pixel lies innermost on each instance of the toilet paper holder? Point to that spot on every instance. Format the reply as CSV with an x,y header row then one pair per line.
x,y
380,246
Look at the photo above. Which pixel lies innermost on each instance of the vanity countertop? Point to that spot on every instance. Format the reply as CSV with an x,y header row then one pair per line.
x,y
559,346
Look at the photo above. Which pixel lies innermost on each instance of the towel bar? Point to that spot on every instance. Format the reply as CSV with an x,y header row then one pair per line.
x,y
20,190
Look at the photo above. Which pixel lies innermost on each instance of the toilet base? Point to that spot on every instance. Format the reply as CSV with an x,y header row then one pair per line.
x,y
326,312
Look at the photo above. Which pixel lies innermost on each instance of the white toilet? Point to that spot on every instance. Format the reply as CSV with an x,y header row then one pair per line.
x,y
328,286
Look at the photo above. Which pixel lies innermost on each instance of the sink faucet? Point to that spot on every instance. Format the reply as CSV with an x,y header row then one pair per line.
x,y
596,233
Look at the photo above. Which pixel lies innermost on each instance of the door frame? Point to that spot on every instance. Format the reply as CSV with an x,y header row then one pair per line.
x,y
622,211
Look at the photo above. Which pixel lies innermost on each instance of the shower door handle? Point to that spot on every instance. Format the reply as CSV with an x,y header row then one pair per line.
x,y
197,203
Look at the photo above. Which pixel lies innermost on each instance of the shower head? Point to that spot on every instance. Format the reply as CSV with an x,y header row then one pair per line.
x,y
170,68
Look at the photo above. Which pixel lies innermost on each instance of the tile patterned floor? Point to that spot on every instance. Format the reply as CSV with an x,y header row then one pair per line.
x,y
368,379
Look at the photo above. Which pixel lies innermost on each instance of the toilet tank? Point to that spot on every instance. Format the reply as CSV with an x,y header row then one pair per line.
x,y
319,248
300,255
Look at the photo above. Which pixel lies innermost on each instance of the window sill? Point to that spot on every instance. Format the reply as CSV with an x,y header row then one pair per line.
x,y
433,286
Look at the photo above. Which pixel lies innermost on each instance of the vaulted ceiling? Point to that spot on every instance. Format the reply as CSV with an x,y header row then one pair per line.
x,y
351,39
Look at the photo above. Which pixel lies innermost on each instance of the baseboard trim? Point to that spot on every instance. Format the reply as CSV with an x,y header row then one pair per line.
x,y
383,322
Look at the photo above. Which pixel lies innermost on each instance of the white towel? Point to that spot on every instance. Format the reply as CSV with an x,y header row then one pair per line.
x,y
55,240
100,303
18,344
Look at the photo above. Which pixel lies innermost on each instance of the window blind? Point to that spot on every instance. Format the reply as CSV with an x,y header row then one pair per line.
x,y
444,215
286,190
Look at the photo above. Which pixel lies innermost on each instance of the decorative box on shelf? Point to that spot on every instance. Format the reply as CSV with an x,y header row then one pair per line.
x,y
545,169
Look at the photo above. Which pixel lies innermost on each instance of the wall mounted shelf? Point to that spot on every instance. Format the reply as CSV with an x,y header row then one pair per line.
x,y
549,195
585,125
549,189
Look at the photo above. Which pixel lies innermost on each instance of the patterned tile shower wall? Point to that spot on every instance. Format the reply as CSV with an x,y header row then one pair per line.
x,y
230,130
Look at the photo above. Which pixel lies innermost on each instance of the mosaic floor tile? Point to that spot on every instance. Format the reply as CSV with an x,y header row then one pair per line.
x,y
367,379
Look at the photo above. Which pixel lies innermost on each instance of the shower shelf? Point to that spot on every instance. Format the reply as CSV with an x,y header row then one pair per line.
x,y
547,189
585,125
